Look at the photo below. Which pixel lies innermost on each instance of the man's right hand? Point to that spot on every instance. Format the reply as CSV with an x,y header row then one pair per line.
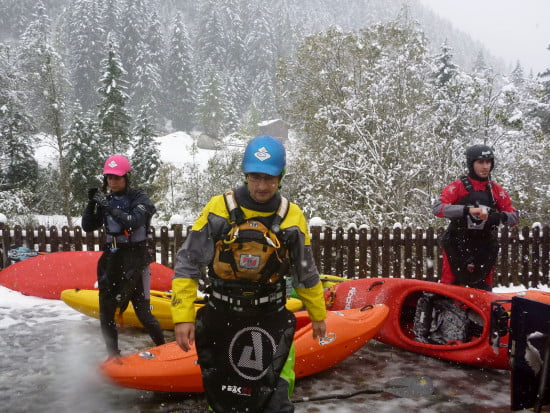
x,y
101,200
479,212
185,335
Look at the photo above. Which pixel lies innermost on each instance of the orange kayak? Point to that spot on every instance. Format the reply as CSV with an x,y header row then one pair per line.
x,y
484,341
536,295
170,369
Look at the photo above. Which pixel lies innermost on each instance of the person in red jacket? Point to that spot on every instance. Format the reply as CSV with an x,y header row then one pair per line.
x,y
476,207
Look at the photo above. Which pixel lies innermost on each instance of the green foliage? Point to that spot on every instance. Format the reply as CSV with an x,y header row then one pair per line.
x,y
86,155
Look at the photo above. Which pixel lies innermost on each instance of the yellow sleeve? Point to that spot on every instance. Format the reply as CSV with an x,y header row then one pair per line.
x,y
314,300
184,294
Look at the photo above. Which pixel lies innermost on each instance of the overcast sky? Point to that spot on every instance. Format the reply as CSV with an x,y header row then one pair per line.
x,y
511,29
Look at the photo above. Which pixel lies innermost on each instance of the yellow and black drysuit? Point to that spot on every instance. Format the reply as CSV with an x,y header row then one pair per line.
x,y
244,334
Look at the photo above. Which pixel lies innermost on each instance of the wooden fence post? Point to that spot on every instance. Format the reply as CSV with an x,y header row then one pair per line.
x,y
327,251
545,255
316,246
339,250
352,268
535,257
364,253
396,253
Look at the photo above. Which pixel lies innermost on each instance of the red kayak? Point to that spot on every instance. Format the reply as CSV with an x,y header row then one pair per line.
x,y
170,369
48,274
450,322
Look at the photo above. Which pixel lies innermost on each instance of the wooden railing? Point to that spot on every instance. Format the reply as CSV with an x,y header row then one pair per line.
x,y
375,252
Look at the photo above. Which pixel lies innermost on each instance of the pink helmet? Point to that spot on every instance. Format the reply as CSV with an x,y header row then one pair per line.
x,y
116,165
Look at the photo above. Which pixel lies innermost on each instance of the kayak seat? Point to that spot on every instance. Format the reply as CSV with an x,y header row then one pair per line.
x,y
439,320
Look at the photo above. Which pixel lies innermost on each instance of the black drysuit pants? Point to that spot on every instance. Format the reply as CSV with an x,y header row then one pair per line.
x,y
122,277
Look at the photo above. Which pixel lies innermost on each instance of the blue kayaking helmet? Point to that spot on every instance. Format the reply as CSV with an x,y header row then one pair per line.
x,y
265,155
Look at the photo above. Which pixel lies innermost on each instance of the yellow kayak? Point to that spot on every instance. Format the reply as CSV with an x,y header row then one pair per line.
x,y
329,280
87,302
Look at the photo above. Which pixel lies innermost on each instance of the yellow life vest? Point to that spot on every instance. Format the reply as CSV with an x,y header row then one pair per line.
x,y
251,251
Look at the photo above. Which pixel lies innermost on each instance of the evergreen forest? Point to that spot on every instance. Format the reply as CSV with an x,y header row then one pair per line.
x,y
382,98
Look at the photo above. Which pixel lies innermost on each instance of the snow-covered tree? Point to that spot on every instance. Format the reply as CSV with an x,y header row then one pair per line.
x,y
86,153
210,39
179,83
145,158
18,167
450,126
212,107
148,63
133,24
84,40
365,99
543,111
114,119
47,86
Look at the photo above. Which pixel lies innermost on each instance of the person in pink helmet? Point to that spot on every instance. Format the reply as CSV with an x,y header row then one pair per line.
x,y
123,269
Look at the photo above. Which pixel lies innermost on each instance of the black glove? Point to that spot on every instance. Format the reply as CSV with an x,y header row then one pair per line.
x,y
495,218
91,193
101,200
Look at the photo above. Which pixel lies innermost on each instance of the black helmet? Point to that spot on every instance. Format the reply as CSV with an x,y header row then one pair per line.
x,y
476,152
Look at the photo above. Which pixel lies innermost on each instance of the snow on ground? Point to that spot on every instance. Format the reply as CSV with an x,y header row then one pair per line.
x,y
177,149
50,355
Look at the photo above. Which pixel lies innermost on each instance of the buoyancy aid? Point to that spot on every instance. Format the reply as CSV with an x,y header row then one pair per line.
x,y
116,234
474,199
252,249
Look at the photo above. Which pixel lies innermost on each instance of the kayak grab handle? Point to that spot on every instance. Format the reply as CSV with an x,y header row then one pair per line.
x,y
377,283
367,307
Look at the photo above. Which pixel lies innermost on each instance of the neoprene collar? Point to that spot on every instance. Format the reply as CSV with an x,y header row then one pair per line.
x,y
242,195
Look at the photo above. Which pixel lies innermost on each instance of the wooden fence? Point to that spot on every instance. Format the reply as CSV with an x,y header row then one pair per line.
x,y
375,252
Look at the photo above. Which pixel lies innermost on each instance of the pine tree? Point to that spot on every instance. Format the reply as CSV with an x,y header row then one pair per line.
x,y
544,111
47,85
84,38
210,46
18,169
145,159
131,41
450,126
179,78
211,107
517,75
111,11
86,153
148,64
114,121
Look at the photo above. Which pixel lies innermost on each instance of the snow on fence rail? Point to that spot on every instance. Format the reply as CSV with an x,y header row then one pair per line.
x,y
352,253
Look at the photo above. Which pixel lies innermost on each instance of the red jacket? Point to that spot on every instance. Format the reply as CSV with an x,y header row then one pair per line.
x,y
447,205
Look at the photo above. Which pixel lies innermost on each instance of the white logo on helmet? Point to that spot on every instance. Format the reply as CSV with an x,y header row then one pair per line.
x,y
485,153
262,154
112,164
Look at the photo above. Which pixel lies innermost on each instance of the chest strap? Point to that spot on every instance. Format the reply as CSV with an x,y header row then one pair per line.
x,y
236,214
